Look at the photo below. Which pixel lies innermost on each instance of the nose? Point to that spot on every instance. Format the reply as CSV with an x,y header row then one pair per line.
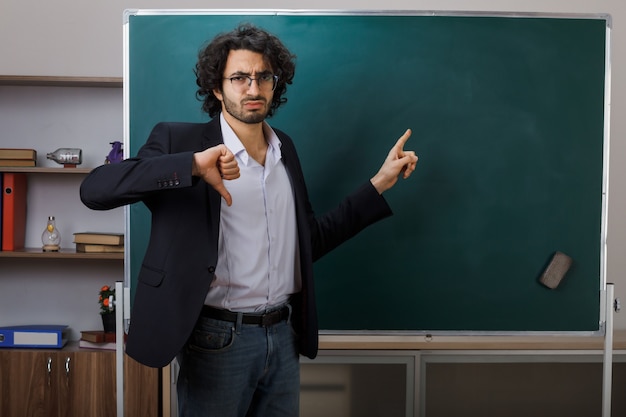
x,y
253,85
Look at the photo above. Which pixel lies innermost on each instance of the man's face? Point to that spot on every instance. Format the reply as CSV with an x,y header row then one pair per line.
x,y
245,100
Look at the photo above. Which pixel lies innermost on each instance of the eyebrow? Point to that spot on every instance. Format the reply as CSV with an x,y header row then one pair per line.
x,y
243,73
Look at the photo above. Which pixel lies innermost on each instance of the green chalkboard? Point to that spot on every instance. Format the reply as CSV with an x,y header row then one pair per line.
x,y
508,115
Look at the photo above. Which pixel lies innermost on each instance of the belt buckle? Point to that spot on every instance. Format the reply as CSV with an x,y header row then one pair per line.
x,y
269,318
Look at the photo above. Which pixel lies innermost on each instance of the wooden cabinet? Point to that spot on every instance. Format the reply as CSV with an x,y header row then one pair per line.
x,y
57,383
73,382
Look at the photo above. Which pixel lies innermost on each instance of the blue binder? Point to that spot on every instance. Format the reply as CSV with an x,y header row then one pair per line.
x,y
34,336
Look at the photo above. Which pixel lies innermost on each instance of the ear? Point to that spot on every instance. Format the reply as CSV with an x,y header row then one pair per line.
x,y
217,93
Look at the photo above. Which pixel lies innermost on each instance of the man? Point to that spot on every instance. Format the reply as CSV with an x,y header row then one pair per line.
x,y
229,287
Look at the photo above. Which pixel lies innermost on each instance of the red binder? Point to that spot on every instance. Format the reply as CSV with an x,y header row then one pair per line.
x,y
1,195
13,211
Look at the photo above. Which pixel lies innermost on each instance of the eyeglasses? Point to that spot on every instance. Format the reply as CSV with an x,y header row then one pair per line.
x,y
264,81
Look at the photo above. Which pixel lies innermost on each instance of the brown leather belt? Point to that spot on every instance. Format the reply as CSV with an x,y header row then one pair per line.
x,y
264,320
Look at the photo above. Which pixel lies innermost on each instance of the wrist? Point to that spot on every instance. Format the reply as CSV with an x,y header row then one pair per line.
x,y
194,165
378,184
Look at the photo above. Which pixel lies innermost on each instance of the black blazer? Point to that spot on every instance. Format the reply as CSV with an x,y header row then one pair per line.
x,y
180,260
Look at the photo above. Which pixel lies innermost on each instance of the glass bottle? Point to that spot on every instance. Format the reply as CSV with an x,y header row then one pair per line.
x,y
51,238
67,156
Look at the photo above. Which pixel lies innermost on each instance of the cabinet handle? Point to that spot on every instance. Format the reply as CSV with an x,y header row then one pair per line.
x,y
67,370
49,368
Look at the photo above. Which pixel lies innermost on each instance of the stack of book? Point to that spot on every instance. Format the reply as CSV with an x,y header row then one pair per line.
x,y
96,339
15,157
99,242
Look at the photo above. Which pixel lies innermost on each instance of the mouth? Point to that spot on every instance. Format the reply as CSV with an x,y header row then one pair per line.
x,y
253,104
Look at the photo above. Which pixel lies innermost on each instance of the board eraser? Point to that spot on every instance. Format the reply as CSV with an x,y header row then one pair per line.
x,y
556,270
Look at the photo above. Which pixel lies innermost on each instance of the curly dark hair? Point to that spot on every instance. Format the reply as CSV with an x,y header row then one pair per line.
x,y
212,61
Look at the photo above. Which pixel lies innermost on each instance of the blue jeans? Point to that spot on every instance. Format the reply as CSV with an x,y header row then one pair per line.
x,y
239,370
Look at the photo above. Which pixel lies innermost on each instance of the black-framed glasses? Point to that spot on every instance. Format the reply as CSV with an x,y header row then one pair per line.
x,y
264,81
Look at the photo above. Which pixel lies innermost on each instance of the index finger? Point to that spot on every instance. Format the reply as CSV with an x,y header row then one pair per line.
x,y
402,140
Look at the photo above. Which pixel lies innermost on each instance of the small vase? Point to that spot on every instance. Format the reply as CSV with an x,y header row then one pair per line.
x,y
51,238
108,322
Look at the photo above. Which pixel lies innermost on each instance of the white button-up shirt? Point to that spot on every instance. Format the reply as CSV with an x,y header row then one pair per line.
x,y
258,260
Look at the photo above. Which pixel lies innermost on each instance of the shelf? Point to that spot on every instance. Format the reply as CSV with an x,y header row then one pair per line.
x,y
64,253
71,346
46,170
52,81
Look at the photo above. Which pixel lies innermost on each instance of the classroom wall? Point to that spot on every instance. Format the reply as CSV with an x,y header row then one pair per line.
x,y
74,38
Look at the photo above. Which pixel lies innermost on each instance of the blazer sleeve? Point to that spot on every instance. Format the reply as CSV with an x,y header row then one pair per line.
x,y
153,170
355,212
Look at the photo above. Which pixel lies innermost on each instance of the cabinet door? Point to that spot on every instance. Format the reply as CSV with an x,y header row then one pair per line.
x,y
86,382
141,389
28,383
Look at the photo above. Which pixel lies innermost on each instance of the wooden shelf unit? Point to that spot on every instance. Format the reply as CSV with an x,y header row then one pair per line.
x,y
27,386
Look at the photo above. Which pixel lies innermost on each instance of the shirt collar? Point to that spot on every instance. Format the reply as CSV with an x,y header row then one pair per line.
x,y
233,143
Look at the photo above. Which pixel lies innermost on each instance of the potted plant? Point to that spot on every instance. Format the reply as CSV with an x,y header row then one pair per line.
x,y
107,308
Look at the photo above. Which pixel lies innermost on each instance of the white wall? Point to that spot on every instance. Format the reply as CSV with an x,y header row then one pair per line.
x,y
71,37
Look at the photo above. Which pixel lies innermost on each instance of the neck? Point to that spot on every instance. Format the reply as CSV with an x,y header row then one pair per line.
x,y
251,136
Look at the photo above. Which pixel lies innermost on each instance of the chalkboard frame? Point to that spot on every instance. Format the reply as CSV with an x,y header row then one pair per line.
x,y
131,265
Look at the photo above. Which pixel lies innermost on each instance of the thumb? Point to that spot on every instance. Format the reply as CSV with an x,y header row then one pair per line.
x,y
221,189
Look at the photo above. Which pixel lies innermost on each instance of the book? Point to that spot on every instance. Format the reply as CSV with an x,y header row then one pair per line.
x,y
85,344
99,238
18,153
18,163
34,336
96,248
97,336
13,211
